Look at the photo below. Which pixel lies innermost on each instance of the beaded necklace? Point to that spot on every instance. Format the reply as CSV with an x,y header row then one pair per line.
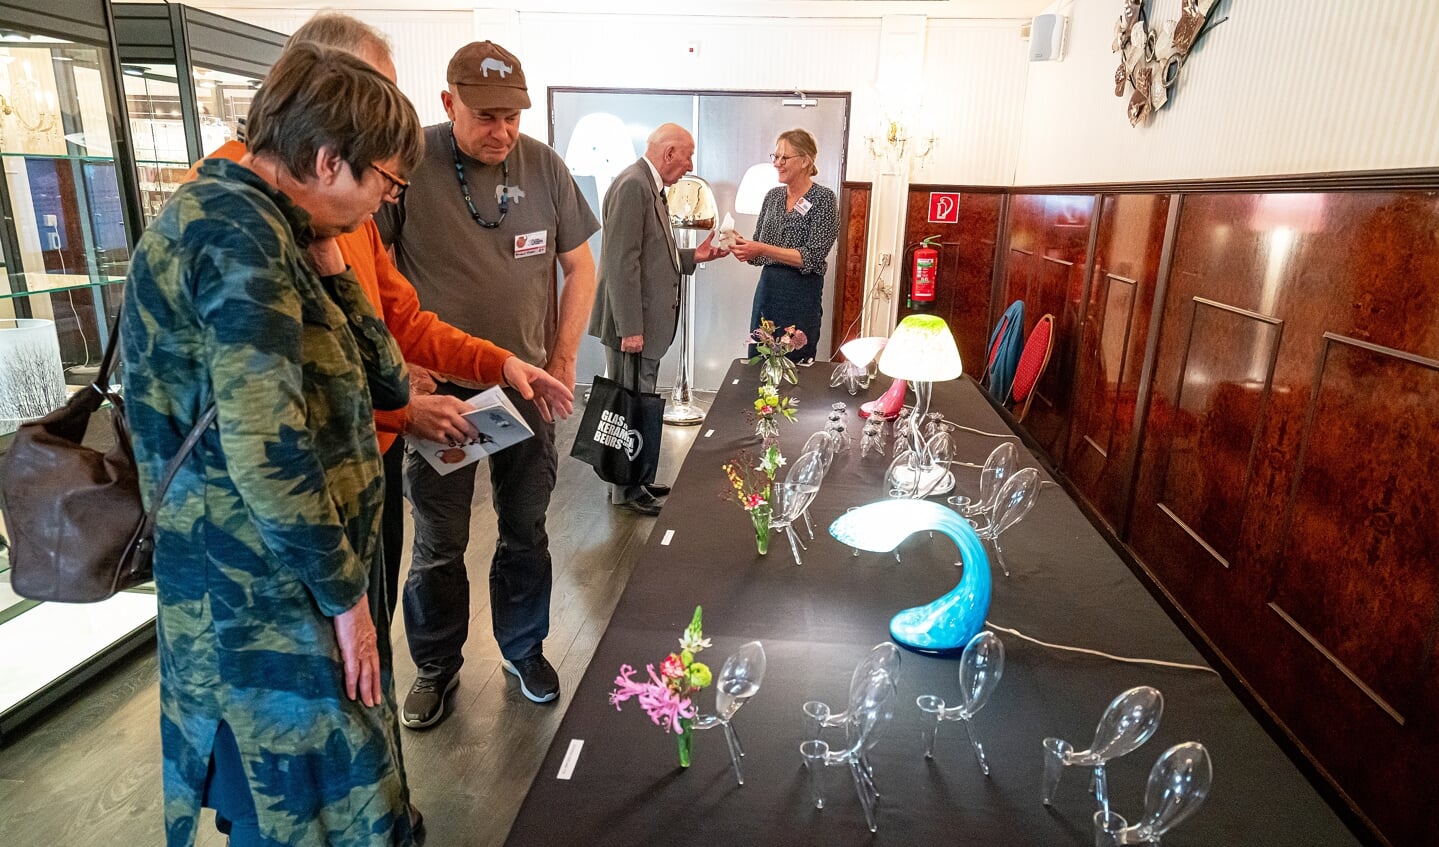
x,y
465,186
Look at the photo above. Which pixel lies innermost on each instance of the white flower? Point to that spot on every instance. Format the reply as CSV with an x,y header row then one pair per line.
x,y
689,642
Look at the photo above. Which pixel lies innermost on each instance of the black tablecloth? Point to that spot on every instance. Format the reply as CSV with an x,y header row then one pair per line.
x,y
817,620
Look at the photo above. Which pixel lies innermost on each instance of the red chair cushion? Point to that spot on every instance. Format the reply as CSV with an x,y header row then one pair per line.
x,y
1034,358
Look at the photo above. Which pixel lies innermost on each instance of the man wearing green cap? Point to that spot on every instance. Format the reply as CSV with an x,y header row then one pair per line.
x,y
488,214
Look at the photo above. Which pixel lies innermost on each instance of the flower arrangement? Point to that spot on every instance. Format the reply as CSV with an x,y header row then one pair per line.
x,y
667,696
769,407
752,486
772,349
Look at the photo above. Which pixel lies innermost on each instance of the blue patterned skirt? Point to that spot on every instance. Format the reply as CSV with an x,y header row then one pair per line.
x,y
790,298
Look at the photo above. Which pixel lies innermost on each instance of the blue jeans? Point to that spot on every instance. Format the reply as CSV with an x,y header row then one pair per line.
x,y
437,591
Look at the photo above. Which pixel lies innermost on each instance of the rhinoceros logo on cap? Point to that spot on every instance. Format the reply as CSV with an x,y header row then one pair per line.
x,y
493,64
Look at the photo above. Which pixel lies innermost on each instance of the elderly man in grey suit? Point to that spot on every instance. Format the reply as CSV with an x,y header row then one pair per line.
x,y
637,305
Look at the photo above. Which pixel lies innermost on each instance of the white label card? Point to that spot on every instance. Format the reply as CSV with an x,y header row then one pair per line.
x,y
531,244
669,536
803,206
572,756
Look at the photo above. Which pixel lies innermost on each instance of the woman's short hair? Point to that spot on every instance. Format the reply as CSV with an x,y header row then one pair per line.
x,y
337,29
317,96
802,142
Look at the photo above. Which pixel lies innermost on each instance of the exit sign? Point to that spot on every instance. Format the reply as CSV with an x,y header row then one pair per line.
x,y
944,207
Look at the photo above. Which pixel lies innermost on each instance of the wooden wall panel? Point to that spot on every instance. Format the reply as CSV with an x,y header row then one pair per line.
x,y
1110,353
1284,495
966,266
1045,262
849,280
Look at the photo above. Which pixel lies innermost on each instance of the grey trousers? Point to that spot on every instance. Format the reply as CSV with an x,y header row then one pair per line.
x,y
437,591
621,367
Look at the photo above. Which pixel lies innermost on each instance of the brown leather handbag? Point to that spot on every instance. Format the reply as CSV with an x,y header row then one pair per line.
x,y
79,531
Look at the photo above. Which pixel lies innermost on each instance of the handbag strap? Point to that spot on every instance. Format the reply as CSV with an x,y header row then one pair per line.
x,y
102,378
632,366
173,467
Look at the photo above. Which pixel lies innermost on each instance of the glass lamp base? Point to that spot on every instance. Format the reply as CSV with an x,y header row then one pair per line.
x,y
924,482
684,414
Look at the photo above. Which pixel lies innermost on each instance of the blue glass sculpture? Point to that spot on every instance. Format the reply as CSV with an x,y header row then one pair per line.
x,y
945,625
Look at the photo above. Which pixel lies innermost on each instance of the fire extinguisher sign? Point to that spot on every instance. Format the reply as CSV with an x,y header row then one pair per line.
x,y
944,207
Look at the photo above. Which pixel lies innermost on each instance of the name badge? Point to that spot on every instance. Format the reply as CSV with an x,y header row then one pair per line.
x,y
803,206
531,244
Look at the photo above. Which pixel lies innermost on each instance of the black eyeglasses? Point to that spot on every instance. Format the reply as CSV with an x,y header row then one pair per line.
x,y
780,160
397,185
465,186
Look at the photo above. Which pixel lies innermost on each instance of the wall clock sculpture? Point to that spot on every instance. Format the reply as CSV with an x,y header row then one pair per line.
x,y
1150,58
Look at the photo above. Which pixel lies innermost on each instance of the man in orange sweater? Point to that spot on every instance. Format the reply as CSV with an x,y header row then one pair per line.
x,y
426,341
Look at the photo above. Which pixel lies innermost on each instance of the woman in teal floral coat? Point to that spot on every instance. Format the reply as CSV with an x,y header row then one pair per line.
x,y
270,674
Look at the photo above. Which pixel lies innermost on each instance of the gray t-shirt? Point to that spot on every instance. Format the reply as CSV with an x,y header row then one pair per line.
x,y
499,284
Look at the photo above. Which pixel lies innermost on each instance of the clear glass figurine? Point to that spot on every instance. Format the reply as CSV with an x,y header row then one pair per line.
x,y
1129,721
1178,784
1015,499
1003,461
872,710
885,657
738,681
980,669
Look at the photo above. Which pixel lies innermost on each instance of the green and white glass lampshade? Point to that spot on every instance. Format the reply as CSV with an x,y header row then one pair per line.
x,y
921,351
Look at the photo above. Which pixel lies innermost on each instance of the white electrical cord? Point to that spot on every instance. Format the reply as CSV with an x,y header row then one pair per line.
x,y
1179,665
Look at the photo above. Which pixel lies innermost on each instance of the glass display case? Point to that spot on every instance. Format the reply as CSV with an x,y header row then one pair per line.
x,y
189,77
69,212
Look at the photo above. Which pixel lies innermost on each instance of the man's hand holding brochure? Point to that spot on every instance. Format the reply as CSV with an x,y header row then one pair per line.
x,y
497,422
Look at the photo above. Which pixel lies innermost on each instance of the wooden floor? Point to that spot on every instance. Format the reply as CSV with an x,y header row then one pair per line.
x,y
89,773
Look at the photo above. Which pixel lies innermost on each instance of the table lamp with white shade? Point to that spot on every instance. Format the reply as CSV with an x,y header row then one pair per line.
x,y
855,371
921,351
757,181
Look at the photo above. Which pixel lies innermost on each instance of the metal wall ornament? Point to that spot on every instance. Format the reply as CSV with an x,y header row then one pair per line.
x,y
1150,58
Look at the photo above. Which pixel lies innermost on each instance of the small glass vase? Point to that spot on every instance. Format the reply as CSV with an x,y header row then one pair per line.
x,y
761,516
686,740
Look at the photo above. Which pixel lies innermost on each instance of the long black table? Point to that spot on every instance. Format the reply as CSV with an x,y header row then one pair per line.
x,y
817,620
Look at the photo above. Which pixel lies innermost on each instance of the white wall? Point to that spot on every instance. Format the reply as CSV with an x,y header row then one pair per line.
x,y
423,41
971,87
1284,87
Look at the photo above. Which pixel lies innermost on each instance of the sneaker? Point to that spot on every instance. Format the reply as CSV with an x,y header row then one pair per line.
x,y
538,680
425,704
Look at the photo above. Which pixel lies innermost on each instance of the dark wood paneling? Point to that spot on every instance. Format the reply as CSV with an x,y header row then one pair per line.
x,y
966,266
1109,358
1284,496
849,278
1045,263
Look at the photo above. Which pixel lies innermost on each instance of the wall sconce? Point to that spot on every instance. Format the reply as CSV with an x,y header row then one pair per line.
x,y
25,105
893,144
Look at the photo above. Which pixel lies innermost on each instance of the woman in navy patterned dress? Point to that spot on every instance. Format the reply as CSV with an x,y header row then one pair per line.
x,y
798,225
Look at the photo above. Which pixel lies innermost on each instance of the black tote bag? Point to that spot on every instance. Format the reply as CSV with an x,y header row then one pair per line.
x,y
619,434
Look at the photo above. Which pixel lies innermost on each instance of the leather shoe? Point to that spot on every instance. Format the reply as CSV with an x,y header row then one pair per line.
x,y
657,490
644,504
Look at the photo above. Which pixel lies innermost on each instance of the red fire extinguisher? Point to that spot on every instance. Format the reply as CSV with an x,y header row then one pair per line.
x,y
923,270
